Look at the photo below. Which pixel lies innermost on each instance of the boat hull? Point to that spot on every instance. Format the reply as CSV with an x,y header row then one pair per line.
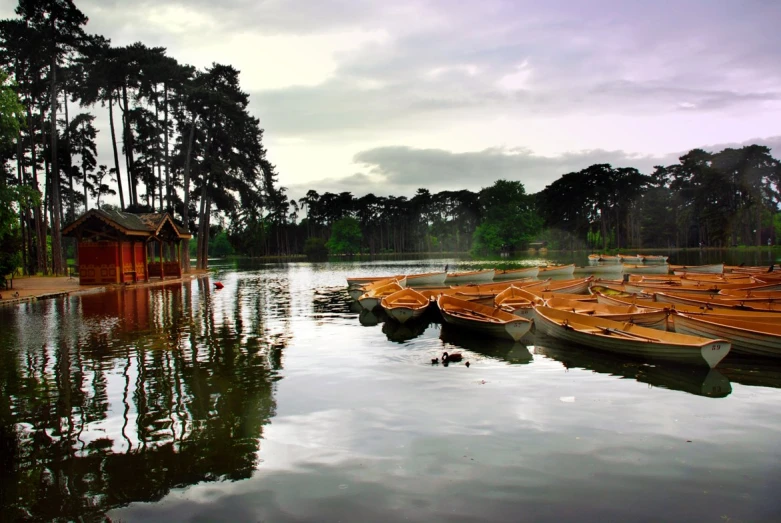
x,y
561,270
610,268
460,278
660,268
717,268
706,352
405,305
490,321
744,340
654,258
513,274
630,259
432,279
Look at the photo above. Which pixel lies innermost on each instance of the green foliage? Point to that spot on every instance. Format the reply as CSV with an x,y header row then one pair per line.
x,y
315,249
220,246
345,236
11,111
10,254
510,220
486,240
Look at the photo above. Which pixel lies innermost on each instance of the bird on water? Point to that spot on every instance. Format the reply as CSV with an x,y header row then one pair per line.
x,y
456,356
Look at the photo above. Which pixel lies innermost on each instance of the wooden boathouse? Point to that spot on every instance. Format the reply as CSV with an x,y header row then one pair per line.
x,y
123,247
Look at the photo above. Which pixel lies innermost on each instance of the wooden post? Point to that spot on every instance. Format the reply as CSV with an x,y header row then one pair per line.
x,y
146,264
133,255
177,246
121,244
162,266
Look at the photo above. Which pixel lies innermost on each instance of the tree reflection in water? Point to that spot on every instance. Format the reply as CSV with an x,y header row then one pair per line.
x,y
121,396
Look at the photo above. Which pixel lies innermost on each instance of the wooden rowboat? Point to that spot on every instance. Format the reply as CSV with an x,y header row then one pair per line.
x,y
513,274
716,268
695,278
405,304
749,315
654,318
371,299
634,258
356,292
459,278
609,268
757,269
574,286
717,302
519,301
748,337
612,289
629,339
659,268
486,320
427,278
356,282
556,270
652,288
653,258
546,295
497,287
770,292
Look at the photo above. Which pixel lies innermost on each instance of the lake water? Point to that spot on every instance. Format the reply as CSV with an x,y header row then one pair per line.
x,y
276,399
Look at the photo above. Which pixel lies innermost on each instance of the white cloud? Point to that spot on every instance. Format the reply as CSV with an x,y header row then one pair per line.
x,y
517,80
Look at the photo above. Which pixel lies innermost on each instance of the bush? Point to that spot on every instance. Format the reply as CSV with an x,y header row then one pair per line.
x,y
345,237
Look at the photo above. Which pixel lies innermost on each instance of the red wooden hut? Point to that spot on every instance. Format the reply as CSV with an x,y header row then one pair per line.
x,y
123,247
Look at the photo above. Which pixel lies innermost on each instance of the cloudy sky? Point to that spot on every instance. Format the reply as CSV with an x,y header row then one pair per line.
x,y
386,97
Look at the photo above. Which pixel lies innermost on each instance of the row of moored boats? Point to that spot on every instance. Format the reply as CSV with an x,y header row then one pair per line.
x,y
694,316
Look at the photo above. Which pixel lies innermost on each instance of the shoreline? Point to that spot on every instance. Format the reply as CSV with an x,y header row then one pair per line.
x,y
33,288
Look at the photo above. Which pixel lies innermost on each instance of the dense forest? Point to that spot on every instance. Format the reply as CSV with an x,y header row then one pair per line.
x,y
185,142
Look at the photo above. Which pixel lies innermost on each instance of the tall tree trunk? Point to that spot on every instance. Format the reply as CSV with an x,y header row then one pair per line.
x,y
128,141
202,249
186,208
158,156
84,173
20,178
116,153
45,210
69,156
57,261
168,188
40,232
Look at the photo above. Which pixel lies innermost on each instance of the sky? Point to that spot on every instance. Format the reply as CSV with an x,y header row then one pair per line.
x,y
387,97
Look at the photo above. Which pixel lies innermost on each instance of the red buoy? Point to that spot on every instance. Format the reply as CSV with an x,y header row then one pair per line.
x,y
218,285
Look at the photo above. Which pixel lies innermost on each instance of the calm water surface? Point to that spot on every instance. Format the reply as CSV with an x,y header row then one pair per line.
x,y
277,399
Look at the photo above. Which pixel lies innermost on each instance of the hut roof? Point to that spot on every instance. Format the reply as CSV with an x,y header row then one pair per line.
x,y
147,224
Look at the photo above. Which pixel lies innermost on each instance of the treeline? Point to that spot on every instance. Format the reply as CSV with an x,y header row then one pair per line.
x,y
712,199
720,199
183,139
